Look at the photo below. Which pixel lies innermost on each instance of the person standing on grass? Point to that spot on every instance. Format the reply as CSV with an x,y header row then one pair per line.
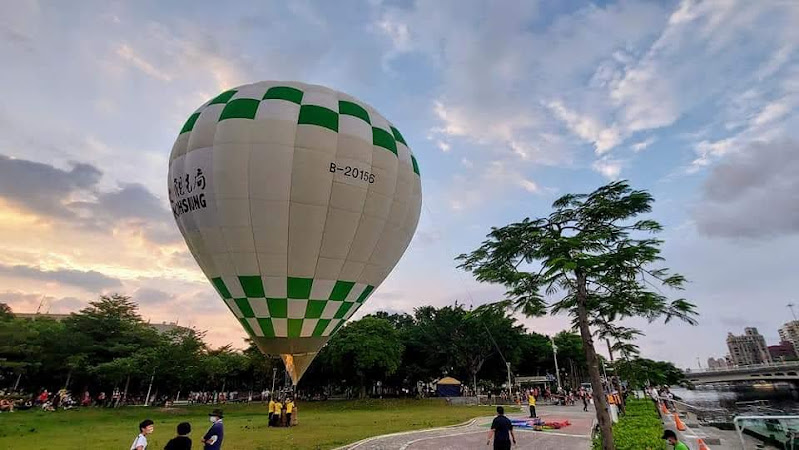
x,y
531,402
276,413
289,410
501,431
146,428
213,437
271,410
182,441
671,438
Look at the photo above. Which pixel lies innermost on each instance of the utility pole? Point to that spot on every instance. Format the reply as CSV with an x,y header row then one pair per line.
x,y
149,388
510,387
791,305
555,355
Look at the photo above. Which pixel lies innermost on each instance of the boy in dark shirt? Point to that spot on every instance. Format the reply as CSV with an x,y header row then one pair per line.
x,y
501,431
182,440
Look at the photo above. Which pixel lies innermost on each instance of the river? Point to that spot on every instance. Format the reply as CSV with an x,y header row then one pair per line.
x,y
767,398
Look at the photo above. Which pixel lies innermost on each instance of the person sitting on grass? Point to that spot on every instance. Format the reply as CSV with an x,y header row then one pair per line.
x,y
182,440
671,438
6,405
146,428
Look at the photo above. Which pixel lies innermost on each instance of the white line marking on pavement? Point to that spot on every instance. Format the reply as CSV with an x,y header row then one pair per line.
x,y
405,445
357,444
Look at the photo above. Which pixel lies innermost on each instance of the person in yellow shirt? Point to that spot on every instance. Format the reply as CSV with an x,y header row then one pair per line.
x,y
271,410
276,414
531,402
289,410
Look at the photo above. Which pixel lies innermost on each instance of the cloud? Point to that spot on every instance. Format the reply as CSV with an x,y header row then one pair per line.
x,y
128,55
43,188
588,128
484,182
641,146
609,168
496,80
74,197
753,193
146,296
92,281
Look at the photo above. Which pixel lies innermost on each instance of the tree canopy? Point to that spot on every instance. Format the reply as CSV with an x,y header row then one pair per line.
x,y
591,258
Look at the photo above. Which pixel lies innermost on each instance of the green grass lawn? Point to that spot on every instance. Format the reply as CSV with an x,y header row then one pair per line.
x,y
321,425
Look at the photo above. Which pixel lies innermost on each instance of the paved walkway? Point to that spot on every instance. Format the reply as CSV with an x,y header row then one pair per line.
x,y
473,434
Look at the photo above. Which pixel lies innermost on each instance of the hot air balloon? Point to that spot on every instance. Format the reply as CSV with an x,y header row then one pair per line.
x,y
296,201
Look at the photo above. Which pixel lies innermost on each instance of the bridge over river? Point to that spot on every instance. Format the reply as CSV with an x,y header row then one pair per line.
x,y
782,371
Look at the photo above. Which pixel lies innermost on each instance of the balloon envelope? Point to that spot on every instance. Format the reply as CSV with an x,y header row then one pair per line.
x,y
296,201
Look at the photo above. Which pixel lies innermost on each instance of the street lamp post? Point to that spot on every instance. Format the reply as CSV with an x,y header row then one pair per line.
x,y
555,355
510,387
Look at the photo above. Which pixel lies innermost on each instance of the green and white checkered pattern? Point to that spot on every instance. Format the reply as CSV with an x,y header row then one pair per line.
x,y
293,248
319,111
294,307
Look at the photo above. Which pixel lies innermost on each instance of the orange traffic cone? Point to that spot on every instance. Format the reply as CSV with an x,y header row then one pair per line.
x,y
701,445
677,421
663,408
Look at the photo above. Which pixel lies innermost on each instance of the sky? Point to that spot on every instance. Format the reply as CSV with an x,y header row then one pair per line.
x,y
506,105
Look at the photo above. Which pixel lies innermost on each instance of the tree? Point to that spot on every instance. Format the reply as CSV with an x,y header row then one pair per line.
x,y
642,372
370,347
5,312
588,251
571,357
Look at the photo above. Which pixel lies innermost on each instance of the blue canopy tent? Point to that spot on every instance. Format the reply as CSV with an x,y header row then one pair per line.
x,y
448,387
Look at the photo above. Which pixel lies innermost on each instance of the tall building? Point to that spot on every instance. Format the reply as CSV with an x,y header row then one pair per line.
x,y
748,348
790,332
716,363
784,351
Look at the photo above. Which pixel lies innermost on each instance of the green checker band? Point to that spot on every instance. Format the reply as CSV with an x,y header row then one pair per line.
x,y
341,290
365,294
266,327
415,165
278,307
353,109
287,93
221,288
383,138
320,327
189,125
315,308
241,108
299,287
299,315
398,136
244,307
247,108
318,115
223,97
246,326
253,286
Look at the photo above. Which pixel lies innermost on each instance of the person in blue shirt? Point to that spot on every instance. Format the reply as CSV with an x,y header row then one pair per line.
x,y
213,437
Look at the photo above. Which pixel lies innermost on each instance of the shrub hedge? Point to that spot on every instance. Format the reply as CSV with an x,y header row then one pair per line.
x,y
639,429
